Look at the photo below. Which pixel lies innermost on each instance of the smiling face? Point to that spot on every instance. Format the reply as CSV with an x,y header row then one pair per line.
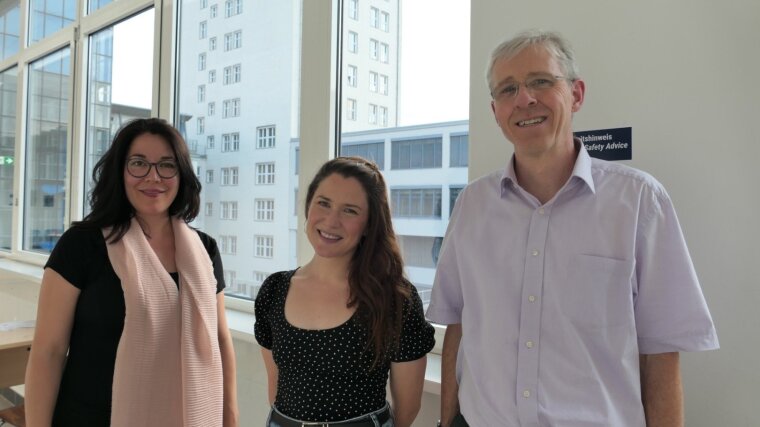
x,y
535,121
150,195
337,217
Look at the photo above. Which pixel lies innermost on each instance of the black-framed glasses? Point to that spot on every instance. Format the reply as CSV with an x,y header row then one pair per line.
x,y
535,84
140,168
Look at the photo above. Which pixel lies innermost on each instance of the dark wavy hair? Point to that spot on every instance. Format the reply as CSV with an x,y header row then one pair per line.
x,y
376,279
108,199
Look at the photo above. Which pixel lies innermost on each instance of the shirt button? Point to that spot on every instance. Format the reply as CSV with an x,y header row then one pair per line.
x,y
526,394
532,298
541,211
529,344
535,252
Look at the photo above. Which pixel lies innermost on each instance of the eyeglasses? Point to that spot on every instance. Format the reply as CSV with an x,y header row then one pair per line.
x,y
140,168
537,84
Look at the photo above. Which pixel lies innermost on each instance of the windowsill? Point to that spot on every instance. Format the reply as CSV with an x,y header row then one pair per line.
x,y
31,271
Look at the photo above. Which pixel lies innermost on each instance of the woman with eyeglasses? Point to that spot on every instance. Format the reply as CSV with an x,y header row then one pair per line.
x,y
131,328
334,330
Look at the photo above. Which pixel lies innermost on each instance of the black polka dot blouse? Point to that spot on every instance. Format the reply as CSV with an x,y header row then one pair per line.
x,y
324,375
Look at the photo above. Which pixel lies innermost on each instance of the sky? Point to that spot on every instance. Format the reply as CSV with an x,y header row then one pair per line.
x,y
133,61
434,62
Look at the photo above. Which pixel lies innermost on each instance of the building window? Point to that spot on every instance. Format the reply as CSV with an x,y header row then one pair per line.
x,y
229,278
202,30
229,210
228,245
231,141
210,142
233,7
209,176
372,114
265,173
259,277
384,52
209,209
212,76
265,137
204,4
385,21
382,116
233,40
212,11
453,194
201,123
232,74
352,75
211,108
416,202
384,84
231,108
374,151
353,9
416,154
230,176
264,209
374,17
202,93
264,246
458,155
212,43
372,81
373,49
201,61
419,251
350,109
353,42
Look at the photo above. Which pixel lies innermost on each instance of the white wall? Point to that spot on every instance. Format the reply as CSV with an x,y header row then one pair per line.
x,y
686,76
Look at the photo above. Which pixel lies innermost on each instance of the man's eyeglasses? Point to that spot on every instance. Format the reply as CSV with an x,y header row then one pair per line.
x,y
140,168
537,84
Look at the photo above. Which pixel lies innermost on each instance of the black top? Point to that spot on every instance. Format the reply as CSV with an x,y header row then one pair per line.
x,y
81,257
324,375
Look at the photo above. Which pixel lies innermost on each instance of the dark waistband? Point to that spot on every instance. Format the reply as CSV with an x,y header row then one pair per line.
x,y
381,415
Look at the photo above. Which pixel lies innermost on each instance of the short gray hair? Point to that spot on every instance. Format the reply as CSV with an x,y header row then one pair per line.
x,y
557,46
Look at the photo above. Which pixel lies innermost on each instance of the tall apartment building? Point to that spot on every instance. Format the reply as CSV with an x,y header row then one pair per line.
x,y
239,88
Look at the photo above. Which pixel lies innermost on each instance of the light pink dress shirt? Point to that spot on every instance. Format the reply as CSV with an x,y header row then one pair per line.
x,y
557,301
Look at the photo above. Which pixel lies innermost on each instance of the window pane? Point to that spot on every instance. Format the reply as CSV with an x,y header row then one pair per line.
x,y
10,22
415,118
45,169
94,5
8,85
50,16
120,84
249,130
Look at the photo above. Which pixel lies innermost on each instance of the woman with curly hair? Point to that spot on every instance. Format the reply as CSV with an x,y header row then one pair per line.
x,y
334,330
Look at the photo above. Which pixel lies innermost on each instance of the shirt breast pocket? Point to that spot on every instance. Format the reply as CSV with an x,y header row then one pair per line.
x,y
598,292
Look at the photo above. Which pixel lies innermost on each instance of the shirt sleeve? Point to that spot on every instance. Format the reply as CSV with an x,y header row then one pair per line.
x,y
417,335
262,327
71,255
670,309
216,260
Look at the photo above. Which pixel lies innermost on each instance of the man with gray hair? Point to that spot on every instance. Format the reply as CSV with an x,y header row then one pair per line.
x,y
565,281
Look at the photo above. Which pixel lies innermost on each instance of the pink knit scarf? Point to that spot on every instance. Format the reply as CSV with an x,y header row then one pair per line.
x,y
168,365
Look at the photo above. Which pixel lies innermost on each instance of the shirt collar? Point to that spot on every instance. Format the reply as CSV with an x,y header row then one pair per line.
x,y
581,169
